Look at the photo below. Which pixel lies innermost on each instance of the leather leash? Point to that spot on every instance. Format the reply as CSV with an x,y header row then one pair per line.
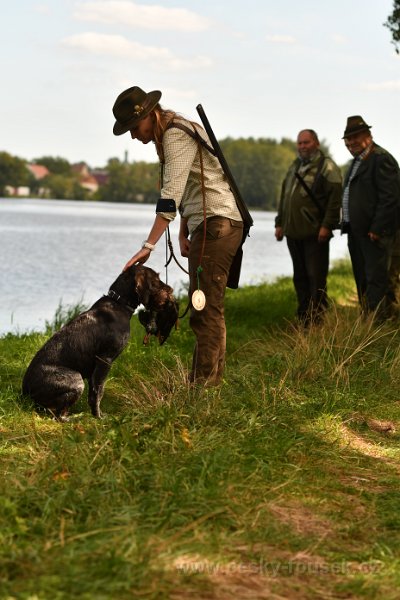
x,y
197,138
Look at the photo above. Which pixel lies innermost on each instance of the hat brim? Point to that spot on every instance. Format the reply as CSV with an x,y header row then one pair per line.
x,y
358,130
151,102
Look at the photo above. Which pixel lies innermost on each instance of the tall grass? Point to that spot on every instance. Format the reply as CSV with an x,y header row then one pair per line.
x,y
283,483
63,315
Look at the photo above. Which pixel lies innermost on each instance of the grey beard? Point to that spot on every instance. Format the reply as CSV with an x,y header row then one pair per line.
x,y
305,161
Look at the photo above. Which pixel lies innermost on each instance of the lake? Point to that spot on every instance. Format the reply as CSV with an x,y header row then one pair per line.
x,y
64,252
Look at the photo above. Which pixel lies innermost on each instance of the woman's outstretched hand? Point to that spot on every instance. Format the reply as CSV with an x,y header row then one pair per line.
x,y
138,258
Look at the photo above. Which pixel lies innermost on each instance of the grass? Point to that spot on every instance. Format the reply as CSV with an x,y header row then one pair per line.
x,y
282,484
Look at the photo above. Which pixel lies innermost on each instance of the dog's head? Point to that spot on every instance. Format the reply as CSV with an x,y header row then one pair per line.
x,y
161,309
141,285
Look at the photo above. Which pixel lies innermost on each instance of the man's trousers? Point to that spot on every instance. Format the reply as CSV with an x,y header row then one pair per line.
x,y
371,261
310,271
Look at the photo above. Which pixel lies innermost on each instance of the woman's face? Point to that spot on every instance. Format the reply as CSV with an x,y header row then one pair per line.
x,y
144,130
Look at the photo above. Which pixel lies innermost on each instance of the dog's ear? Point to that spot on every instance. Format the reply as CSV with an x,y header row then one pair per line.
x,y
148,285
141,284
139,275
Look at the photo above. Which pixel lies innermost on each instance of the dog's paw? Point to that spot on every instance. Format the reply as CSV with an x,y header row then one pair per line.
x,y
61,418
98,414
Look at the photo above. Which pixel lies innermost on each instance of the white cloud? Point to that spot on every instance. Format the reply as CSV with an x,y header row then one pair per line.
x,y
382,86
338,38
121,47
281,39
185,94
125,12
42,9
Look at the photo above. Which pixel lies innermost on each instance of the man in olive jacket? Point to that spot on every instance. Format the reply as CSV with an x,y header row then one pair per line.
x,y
371,199
308,211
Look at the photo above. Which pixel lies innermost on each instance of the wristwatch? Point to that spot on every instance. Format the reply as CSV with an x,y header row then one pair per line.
x,y
146,244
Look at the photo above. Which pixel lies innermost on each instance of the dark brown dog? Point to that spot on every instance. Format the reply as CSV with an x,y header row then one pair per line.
x,y
86,347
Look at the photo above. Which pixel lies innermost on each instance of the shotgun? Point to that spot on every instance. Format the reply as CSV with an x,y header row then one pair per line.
x,y
247,219
234,272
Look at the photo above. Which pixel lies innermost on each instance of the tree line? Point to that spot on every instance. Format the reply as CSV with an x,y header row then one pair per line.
x,y
258,166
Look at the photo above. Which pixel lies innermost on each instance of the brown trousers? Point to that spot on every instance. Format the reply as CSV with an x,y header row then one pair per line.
x,y
223,238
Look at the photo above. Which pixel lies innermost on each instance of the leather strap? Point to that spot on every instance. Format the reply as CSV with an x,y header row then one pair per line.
x,y
193,134
201,143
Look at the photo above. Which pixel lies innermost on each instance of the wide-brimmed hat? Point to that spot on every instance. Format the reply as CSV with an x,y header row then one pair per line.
x,y
131,106
355,124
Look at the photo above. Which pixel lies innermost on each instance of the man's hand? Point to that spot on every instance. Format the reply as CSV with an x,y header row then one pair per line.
x,y
324,234
279,234
374,237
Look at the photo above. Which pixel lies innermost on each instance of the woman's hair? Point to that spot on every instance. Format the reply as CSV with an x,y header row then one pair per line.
x,y
162,118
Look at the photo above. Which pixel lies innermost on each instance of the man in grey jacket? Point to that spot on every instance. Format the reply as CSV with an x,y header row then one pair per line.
x,y
308,211
371,201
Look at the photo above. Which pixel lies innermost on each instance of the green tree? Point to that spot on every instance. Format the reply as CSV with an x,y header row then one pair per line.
x,y
259,166
146,177
13,172
137,182
393,24
64,187
56,165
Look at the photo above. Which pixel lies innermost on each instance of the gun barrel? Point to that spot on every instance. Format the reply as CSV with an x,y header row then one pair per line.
x,y
246,216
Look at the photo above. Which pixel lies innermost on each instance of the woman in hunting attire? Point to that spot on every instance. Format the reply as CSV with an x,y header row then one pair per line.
x,y
211,227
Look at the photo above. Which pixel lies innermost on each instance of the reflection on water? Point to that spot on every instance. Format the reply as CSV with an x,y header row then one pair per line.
x,y
63,251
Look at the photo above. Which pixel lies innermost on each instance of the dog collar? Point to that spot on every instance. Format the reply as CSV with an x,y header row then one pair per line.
x,y
114,296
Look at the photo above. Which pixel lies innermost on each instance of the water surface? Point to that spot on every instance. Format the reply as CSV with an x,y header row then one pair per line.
x,y
65,252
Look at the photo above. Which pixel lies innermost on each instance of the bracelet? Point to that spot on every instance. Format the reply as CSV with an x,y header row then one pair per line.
x,y
149,246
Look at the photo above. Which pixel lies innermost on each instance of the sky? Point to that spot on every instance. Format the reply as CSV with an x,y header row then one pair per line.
x,y
260,68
